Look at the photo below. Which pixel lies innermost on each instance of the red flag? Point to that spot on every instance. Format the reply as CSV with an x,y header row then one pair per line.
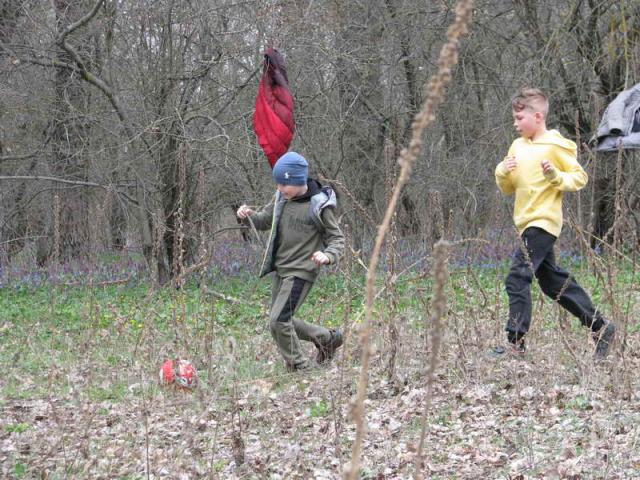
x,y
273,119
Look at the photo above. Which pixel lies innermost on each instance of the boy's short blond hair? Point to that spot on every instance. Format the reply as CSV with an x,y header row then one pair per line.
x,y
532,99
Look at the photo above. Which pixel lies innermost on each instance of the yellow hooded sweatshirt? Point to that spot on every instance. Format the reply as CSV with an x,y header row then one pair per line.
x,y
538,201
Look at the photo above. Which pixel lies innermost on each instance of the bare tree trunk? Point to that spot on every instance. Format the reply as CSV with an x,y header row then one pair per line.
x,y
69,131
14,227
361,101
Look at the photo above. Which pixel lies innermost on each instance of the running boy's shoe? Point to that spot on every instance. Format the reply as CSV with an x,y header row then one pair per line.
x,y
326,351
604,338
517,349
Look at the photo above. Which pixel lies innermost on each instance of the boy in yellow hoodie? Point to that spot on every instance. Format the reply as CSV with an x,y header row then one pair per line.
x,y
540,166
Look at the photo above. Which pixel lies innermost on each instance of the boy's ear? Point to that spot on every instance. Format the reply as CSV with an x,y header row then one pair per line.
x,y
539,116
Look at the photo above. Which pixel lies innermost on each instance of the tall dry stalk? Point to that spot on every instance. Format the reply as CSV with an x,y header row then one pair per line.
x,y
437,219
159,229
199,210
55,254
441,277
96,214
449,230
391,257
617,200
178,237
237,445
579,192
435,94
563,326
147,449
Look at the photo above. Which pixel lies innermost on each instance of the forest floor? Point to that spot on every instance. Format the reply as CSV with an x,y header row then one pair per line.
x,y
80,396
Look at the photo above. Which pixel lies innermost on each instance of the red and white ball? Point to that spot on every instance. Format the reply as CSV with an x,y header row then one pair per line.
x,y
179,372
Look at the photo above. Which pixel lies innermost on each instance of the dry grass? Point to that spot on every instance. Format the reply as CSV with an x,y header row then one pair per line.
x,y
80,399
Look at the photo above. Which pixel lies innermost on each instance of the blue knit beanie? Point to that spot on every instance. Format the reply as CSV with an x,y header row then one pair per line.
x,y
291,169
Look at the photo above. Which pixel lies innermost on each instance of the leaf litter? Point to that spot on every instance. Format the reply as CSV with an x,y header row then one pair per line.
x,y
539,417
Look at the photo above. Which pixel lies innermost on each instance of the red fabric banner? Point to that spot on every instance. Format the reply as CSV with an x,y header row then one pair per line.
x,y
273,119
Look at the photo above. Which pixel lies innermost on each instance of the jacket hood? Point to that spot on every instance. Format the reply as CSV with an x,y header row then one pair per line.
x,y
313,187
554,137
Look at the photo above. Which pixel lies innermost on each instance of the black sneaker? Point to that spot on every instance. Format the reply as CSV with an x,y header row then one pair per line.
x,y
327,351
604,338
517,349
301,367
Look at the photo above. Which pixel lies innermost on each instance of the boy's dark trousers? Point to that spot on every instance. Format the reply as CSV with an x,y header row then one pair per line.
x,y
554,281
287,295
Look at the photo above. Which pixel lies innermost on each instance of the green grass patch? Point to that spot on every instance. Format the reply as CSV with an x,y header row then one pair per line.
x,y
17,428
20,470
321,408
100,340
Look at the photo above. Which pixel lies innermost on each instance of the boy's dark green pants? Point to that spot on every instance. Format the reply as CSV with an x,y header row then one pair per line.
x,y
554,281
287,295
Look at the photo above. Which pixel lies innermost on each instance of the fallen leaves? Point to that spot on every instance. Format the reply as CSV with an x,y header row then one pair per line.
x,y
503,420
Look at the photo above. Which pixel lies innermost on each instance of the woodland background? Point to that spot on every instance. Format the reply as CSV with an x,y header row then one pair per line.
x,y
126,145
128,125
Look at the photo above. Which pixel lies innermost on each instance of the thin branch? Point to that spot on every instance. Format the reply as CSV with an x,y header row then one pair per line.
x,y
236,92
105,283
80,23
11,158
68,182
49,62
52,179
226,298
26,156
31,237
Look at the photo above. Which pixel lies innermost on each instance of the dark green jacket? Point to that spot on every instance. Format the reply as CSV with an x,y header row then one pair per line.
x,y
298,228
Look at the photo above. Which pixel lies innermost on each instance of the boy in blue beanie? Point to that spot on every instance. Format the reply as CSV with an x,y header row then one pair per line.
x,y
304,236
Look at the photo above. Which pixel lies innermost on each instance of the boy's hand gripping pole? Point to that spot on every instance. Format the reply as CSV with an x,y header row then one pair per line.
x,y
255,231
